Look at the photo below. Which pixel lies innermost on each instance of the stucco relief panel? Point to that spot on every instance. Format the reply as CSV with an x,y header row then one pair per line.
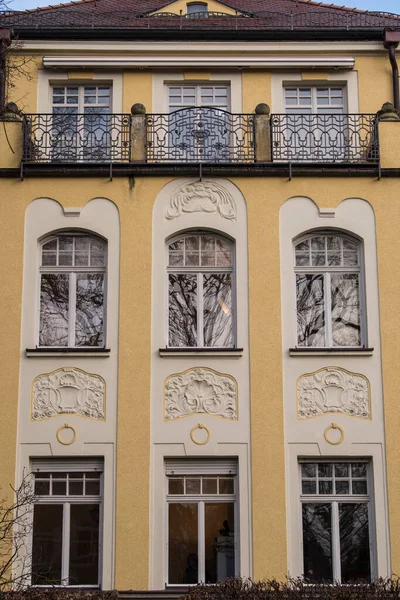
x,y
200,390
68,391
201,197
333,390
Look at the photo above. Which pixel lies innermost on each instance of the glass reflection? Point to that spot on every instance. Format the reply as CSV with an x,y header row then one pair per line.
x,y
54,306
217,293
183,543
310,310
182,310
354,542
89,309
47,544
84,544
345,309
219,541
317,542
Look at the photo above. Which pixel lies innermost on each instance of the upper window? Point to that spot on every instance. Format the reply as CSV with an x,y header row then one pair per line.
x,y
196,9
335,501
72,283
81,123
327,268
66,525
200,280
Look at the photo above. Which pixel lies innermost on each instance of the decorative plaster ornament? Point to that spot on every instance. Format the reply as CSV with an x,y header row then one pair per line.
x,y
204,197
334,434
333,390
66,439
68,391
200,427
200,390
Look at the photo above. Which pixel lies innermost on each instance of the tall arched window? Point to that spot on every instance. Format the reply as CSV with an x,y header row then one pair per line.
x,y
72,284
328,278
200,283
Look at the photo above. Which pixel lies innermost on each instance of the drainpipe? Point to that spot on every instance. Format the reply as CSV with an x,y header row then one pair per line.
x,y
5,41
392,39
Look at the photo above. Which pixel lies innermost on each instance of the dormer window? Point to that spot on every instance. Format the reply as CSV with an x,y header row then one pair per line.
x,y
196,10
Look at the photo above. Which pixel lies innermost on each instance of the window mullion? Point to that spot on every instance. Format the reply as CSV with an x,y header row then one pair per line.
x,y
66,544
328,310
336,570
201,543
200,308
72,310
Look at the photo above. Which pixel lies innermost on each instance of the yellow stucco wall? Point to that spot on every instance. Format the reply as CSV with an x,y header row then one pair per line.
x,y
264,196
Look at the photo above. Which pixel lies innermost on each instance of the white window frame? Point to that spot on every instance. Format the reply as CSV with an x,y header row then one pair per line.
x,y
201,468
72,271
345,79
335,500
326,271
80,465
198,94
200,298
204,5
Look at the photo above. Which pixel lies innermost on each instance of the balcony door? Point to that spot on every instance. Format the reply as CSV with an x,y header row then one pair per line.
x,y
81,123
316,128
199,122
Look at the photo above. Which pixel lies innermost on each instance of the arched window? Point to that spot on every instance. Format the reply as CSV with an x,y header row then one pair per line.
x,y
200,282
196,10
72,284
328,278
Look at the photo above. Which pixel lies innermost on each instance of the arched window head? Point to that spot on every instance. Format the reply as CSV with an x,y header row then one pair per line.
x,y
200,283
328,278
72,283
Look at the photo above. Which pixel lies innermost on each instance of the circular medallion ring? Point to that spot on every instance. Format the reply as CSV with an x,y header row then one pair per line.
x,y
66,440
200,427
336,439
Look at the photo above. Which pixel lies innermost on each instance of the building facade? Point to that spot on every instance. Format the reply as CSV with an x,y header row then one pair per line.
x,y
200,302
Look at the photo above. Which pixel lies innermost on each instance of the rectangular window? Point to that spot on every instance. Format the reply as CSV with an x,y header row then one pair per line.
x,y
81,125
316,126
202,524
336,521
66,524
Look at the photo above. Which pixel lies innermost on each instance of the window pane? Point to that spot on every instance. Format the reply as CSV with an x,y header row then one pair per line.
x,y
309,487
317,542
193,486
76,488
359,470
183,310
354,542
309,470
210,486
310,310
345,309
47,544
219,541
176,486
217,299
59,488
183,543
89,309
226,486
92,488
54,302
84,544
42,488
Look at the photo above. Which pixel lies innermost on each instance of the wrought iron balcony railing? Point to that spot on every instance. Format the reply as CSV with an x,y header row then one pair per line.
x,y
72,138
333,138
200,135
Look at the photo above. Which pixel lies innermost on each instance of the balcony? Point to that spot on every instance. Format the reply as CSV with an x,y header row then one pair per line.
x,y
201,136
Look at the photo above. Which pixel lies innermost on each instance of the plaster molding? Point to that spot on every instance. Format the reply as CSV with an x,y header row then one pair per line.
x,y
68,391
201,197
200,390
327,213
333,390
72,212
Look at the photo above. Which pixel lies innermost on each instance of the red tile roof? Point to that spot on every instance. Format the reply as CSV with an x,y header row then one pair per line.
x,y
252,15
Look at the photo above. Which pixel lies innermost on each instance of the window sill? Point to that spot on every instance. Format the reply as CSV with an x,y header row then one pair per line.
x,y
226,352
78,352
330,351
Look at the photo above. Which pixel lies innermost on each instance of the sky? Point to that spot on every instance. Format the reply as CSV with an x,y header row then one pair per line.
x,y
381,5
